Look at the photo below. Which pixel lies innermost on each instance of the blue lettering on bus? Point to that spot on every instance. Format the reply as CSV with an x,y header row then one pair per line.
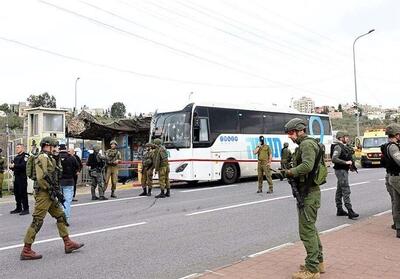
x,y
321,127
274,143
228,139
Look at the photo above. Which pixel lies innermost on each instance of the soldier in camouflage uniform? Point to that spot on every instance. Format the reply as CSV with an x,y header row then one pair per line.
x,y
45,166
263,151
286,156
96,172
113,158
303,163
2,168
161,167
147,170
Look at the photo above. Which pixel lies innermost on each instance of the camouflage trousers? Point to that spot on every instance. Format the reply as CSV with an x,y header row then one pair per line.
x,y
343,189
112,172
97,181
44,204
394,181
147,178
308,232
264,169
163,176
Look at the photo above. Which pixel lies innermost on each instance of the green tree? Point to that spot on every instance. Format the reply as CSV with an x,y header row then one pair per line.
x,y
4,107
42,100
118,110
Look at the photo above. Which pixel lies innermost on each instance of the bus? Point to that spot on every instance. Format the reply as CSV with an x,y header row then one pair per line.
x,y
210,142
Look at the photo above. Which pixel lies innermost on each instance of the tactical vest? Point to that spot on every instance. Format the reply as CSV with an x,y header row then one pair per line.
x,y
345,155
164,157
148,160
391,166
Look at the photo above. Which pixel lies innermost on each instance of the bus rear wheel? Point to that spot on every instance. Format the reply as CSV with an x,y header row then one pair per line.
x,y
230,173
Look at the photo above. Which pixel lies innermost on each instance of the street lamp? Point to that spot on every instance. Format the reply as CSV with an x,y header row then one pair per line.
x,y
355,79
76,94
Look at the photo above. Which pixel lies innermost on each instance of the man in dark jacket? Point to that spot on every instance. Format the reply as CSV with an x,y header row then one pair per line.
x,y
72,152
69,169
20,181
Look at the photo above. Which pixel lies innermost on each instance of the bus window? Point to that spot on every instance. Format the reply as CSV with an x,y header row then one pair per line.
x,y
251,122
204,130
223,121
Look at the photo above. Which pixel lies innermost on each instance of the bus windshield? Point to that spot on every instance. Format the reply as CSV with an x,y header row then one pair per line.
x,y
374,142
173,129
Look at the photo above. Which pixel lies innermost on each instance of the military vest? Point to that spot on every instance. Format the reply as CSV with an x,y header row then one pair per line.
x,y
112,156
263,153
346,154
163,156
391,166
148,160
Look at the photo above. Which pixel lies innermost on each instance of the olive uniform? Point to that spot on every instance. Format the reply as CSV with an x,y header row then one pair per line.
x,y
286,156
147,170
161,167
45,165
2,168
112,158
303,163
264,154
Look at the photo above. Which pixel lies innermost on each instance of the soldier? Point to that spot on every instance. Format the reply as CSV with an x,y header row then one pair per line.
x,y
45,167
392,164
20,181
147,170
161,167
113,158
2,168
342,157
304,159
96,164
264,165
34,149
286,156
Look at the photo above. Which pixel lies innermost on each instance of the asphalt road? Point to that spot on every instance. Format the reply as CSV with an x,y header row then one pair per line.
x,y
197,229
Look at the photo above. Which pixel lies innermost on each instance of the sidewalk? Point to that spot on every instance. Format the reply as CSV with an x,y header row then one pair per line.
x,y
367,250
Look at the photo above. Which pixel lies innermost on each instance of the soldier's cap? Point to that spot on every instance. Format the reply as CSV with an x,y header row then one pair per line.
x,y
296,124
392,129
286,144
157,142
261,138
96,148
47,141
113,142
341,134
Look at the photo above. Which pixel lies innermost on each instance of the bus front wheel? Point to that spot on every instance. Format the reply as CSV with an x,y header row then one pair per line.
x,y
230,174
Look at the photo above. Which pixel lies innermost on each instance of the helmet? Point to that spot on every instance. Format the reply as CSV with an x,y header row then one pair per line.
x,y
113,142
55,142
341,134
297,124
392,129
47,141
286,144
157,142
96,148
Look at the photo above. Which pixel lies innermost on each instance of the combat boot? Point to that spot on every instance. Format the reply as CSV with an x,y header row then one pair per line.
x,y
70,246
149,192
24,212
113,195
398,233
144,193
167,194
341,212
16,211
102,198
28,254
352,214
161,195
321,267
95,198
306,274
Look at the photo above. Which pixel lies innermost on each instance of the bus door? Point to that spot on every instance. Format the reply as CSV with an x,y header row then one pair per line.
x,y
202,170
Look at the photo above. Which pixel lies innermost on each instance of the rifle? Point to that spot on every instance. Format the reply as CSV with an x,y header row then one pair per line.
x,y
54,191
299,197
353,166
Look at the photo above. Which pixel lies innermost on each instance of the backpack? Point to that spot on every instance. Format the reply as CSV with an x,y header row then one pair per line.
x,y
319,172
30,167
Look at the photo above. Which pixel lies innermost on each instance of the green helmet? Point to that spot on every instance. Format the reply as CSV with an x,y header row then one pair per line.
x,y
297,124
286,144
157,142
46,141
341,134
96,148
113,142
392,129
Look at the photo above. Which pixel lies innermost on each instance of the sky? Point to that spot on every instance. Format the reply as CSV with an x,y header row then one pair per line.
x,y
151,54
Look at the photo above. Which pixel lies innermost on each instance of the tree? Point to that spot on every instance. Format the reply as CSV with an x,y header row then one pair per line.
x,y
118,110
4,107
42,100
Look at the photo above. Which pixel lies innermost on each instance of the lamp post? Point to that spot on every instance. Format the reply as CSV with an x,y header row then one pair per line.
x,y
76,94
355,78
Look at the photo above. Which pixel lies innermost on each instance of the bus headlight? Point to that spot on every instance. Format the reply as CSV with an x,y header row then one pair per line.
x,y
181,168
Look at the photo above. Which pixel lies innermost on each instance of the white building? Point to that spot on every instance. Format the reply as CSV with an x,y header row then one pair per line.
x,y
305,105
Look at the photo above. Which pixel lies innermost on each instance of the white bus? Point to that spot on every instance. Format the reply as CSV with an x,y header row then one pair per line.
x,y
209,142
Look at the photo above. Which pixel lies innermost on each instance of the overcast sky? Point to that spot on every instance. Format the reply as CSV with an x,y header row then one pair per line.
x,y
151,54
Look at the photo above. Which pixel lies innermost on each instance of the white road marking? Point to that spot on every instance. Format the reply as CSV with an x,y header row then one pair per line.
x,y
335,229
382,179
107,201
383,213
237,205
360,183
213,272
194,275
76,235
209,188
271,250
328,189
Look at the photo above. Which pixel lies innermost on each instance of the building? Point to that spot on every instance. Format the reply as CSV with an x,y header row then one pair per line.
x,y
305,105
376,115
22,107
335,115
